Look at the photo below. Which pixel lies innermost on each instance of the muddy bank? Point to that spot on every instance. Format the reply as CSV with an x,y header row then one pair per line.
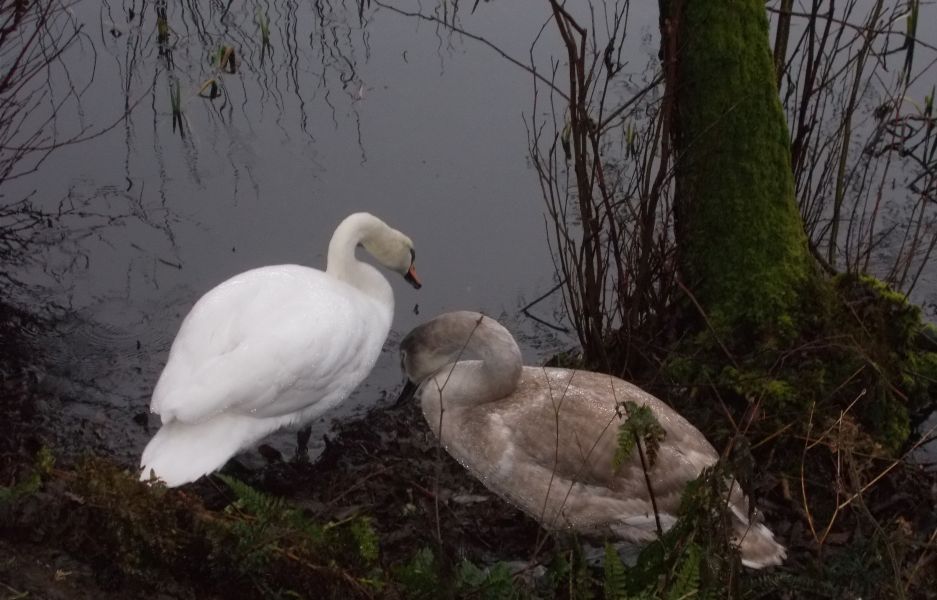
x,y
383,512
66,530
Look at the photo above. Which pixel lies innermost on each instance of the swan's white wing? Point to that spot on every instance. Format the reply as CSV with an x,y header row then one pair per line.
x,y
270,342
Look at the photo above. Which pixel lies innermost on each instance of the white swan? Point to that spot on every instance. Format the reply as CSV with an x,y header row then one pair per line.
x,y
271,347
544,438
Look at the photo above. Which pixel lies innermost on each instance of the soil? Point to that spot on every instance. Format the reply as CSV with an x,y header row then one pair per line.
x,y
383,465
386,465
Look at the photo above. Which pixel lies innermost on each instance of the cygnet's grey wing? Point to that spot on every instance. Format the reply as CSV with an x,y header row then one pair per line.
x,y
566,421
550,448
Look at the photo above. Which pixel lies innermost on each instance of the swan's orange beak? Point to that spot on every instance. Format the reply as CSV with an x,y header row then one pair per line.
x,y
412,278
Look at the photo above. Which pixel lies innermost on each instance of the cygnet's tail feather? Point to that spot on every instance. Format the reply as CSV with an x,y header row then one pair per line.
x,y
183,452
755,541
758,546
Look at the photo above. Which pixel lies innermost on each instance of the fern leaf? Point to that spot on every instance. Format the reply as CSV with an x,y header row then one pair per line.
x,y
686,583
639,424
494,583
255,502
419,578
366,538
615,575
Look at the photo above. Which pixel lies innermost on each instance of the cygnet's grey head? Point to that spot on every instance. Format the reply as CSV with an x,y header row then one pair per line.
x,y
438,342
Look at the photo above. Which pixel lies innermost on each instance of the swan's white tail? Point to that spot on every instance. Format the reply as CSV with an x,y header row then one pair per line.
x,y
183,452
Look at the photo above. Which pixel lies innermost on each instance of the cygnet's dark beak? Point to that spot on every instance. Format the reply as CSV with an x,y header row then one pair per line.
x,y
412,278
406,394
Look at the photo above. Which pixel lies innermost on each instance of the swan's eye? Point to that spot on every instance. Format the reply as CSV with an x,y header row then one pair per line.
x,y
412,255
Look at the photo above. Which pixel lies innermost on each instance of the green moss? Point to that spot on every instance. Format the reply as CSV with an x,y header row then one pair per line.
x,y
884,313
258,546
866,354
744,251
900,371
31,481
769,389
365,540
919,379
887,418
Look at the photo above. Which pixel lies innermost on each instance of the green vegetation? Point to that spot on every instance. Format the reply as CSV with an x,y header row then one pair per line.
x,y
639,429
865,357
32,481
256,546
744,253
819,378
259,545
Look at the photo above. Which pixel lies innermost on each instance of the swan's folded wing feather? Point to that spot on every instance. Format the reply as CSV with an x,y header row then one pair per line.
x,y
568,428
259,344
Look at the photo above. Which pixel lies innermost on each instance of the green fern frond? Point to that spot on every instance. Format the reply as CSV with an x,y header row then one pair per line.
x,y
419,578
616,576
365,538
581,580
495,582
639,424
250,500
686,583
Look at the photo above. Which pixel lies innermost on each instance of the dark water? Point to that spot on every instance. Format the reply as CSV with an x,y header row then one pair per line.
x,y
388,113
393,115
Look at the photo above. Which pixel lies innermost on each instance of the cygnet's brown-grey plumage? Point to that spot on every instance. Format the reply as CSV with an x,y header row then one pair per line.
x,y
544,438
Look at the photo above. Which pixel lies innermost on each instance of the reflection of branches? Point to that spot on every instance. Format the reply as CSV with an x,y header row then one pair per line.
x,y
452,26
37,89
28,230
286,52
33,37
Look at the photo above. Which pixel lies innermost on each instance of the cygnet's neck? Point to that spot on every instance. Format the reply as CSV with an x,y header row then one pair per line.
x,y
492,376
345,266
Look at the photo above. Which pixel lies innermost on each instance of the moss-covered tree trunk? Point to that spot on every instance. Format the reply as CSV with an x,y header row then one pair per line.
x,y
743,251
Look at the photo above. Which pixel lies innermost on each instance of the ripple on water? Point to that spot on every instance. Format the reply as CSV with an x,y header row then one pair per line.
x,y
101,364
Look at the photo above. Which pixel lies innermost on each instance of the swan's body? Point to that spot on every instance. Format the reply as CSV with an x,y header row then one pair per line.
x,y
545,438
272,347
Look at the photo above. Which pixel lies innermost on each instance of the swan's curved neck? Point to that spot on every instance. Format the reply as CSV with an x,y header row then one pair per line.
x,y
345,266
492,376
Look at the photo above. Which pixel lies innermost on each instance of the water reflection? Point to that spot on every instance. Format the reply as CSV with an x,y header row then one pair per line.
x,y
339,111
